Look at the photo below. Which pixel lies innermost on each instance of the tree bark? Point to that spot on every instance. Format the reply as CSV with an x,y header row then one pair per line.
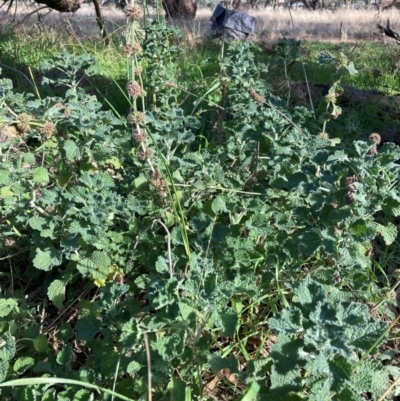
x,y
100,22
64,6
180,8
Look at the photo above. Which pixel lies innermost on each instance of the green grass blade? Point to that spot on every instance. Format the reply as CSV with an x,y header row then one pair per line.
x,y
56,380
250,392
212,89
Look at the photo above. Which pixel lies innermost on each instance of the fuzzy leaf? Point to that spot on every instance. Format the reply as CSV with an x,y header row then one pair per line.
x,y
7,346
71,149
289,321
5,192
388,232
41,344
87,327
3,370
217,363
218,205
45,260
7,306
97,266
64,357
41,175
37,222
65,332
133,367
4,177
22,364
56,292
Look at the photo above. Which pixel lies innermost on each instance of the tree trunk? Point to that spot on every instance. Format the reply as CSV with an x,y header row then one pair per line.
x,y
180,8
64,6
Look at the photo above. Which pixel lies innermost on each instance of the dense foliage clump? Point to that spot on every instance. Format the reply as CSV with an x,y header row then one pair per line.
x,y
154,253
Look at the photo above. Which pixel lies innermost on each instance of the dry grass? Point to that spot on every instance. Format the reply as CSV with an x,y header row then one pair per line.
x,y
327,25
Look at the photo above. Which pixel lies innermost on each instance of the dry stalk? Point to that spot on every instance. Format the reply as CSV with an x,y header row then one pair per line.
x,y
171,272
148,356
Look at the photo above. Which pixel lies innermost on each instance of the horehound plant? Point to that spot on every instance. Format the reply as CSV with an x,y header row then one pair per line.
x,y
140,133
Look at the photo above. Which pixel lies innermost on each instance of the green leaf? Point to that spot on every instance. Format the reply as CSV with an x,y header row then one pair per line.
x,y
133,367
250,392
169,347
83,395
71,149
7,346
45,260
4,177
226,318
5,192
7,306
217,363
41,344
290,321
388,232
352,70
56,292
63,179
37,222
87,327
218,205
97,266
140,182
177,388
29,158
115,162
64,357
41,175
22,364
65,332
3,370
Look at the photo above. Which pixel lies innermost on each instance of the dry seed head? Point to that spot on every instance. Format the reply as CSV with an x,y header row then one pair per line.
x,y
7,133
136,117
352,188
67,112
376,138
156,174
350,180
23,123
127,49
373,151
139,135
138,71
50,209
133,11
144,155
157,182
170,84
136,48
327,116
9,242
335,113
134,89
349,198
258,98
251,182
324,135
48,129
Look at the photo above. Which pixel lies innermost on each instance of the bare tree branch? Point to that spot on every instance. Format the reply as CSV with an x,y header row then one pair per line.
x,y
389,32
